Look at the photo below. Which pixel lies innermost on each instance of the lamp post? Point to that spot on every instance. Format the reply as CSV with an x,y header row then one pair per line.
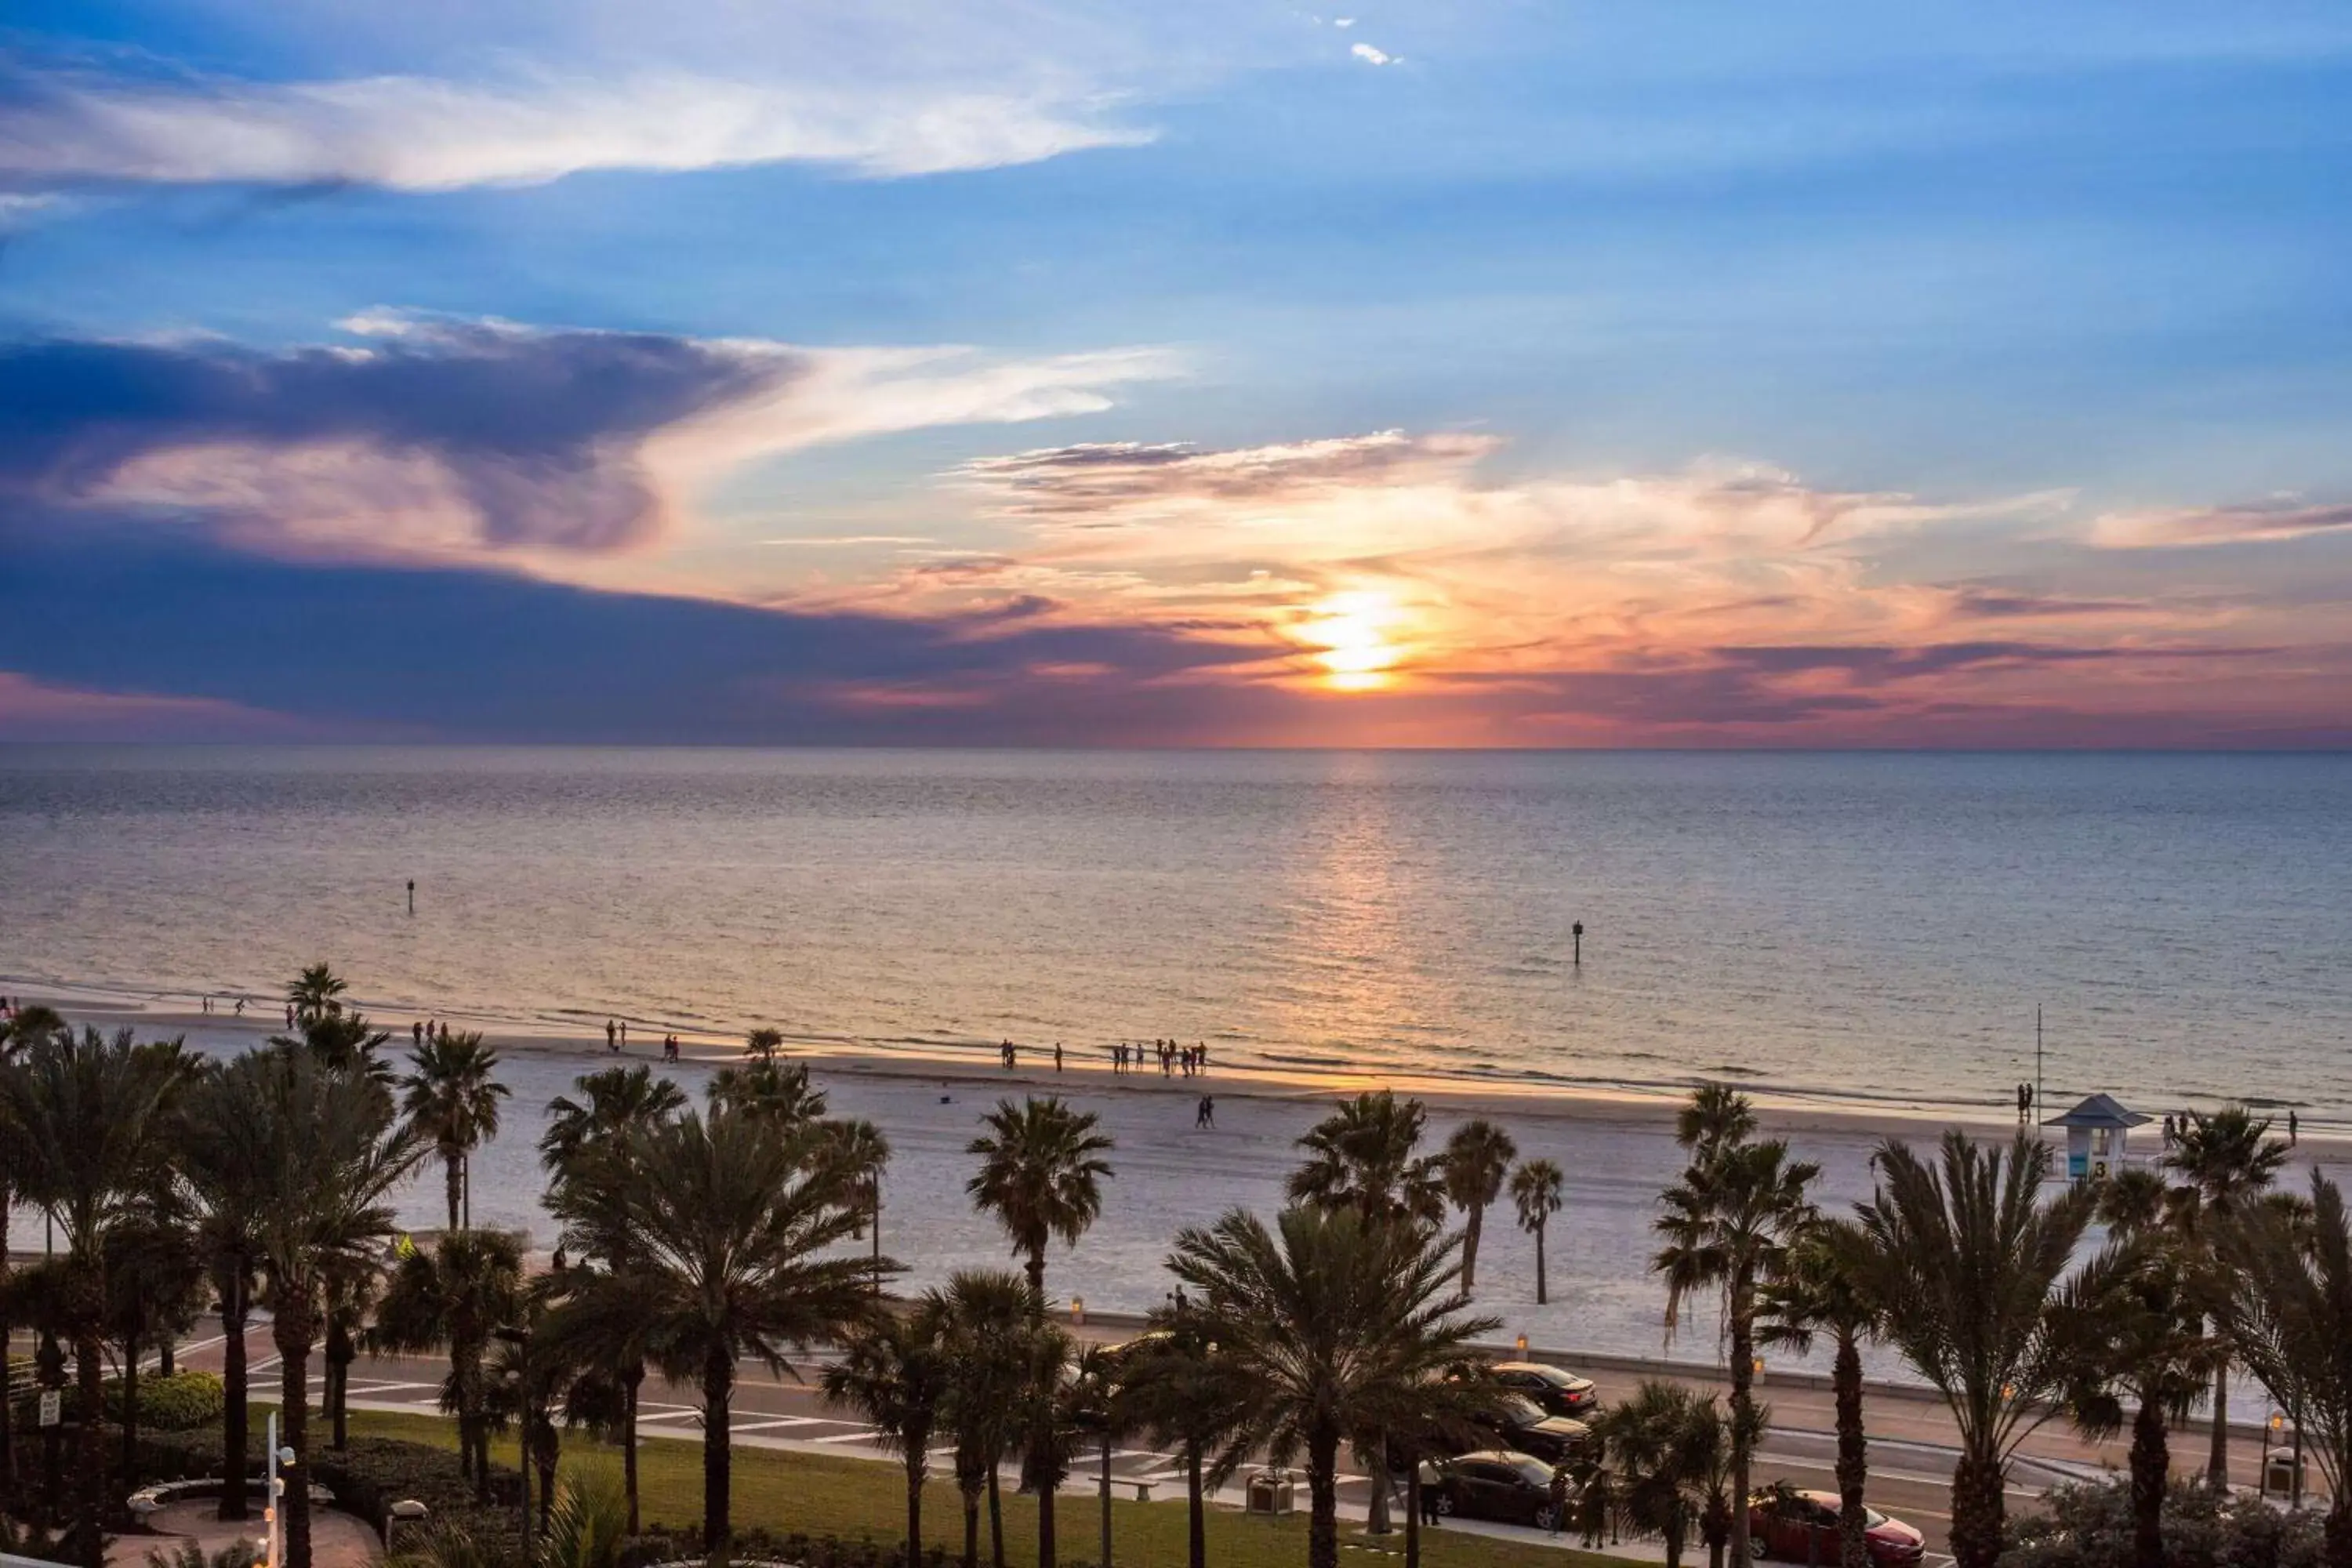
x,y
520,1340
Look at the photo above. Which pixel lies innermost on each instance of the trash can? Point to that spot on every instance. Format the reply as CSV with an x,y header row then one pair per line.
x,y
1272,1493
2279,1479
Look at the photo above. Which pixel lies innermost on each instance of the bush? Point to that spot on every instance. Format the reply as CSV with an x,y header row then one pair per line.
x,y
755,1544
2089,1525
180,1403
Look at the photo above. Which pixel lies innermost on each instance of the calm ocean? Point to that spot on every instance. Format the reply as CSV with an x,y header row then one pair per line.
x,y
1870,927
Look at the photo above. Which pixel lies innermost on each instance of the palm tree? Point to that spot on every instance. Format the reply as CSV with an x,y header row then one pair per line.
x,y
2288,1315
1727,1225
1973,1300
86,1118
1338,1323
330,1152
1824,1285
2227,1160
1179,1385
1659,1453
316,993
1366,1156
762,1044
726,1221
1477,1158
1715,1118
451,1100
456,1294
859,1155
228,1175
588,1153
1536,1189
895,1373
153,1273
1040,1174
30,1024
779,1090
985,1316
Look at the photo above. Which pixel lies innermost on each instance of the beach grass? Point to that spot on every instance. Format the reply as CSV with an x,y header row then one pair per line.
x,y
818,1494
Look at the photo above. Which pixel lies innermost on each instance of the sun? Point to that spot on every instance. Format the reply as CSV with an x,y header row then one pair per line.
x,y
1353,632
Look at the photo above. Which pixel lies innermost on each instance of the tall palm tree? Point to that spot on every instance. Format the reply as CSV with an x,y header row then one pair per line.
x,y
85,1118
2227,1160
895,1373
1727,1226
1366,1156
986,1322
451,1097
1975,1301
1714,1116
1339,1323
2288,1315
588,1153
16,1034
765,1087
727,1221
330,1151
1040,1174
1477,1159
153,1273
227,1173
1536,1192
456,1294
859,1154
1825,1284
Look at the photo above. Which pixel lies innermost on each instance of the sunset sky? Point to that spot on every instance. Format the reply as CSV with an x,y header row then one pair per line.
x,y
1013,371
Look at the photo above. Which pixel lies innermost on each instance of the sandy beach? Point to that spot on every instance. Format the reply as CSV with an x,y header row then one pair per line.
x,y
1618,1151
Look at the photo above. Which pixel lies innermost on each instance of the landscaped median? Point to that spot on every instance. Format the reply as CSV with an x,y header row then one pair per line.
x,y
780,1493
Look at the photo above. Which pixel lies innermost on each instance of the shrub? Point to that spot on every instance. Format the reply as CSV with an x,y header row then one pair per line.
x,y
2089,1525
662,1544
180,1403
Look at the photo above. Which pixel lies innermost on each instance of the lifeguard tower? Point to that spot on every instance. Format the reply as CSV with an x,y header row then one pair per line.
x,y
2097,1131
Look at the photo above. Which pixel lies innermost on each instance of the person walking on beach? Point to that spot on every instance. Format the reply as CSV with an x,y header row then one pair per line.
x,y
612,1036
2293,1133
1058,1055
417,1033
1205,1115
240,1006
289,1014
2167,1130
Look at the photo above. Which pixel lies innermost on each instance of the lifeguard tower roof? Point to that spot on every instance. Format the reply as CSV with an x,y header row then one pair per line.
x,y
2100,1111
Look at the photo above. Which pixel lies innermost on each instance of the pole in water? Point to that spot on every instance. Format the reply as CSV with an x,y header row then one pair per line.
x,y
2037,1056
1576,933
412,895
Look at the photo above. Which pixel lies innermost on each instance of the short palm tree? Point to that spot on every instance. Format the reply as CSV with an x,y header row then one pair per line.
x,y
985,1321
1366,1156
611,1104
450,1097
455,1295
2288,1314
1974,1299
727,1222
1476,1161
859,1155
1179,1385
2227,1161
1337,1323
894,1374
87,1119
1714,1116
316,993
1727,1225
16,1035
765,1087
153,1277
1040,1174
1536,1192
1662,1458
762,1044
1825,1286
330,1151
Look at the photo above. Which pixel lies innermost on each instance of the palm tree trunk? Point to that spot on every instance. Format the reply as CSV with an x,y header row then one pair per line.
x,y
1322,1498
130,1415
2335,1542
1742,1306
7,1385
995,1519
1196,1523
1853,1456
914,1504
233,1410
1675,1545
2217,1465
1979,1511
293,1331
1377,1521
630,1382
970,1525
91,1484
2150,1463
1411,1516
718,1389
1541,1299
340,1354
455,1184
1471,1225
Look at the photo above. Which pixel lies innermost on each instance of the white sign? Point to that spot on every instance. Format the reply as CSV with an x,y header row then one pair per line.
x,y
53,1408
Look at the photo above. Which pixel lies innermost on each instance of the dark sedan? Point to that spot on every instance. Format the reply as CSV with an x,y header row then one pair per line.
x,y
1560,1392
1527,1429
1494,1483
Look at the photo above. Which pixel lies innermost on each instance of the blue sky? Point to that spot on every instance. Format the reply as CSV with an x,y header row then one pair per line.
x,y
1485,373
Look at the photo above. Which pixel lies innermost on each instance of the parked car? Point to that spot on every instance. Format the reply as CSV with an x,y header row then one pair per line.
x,y
1493,1483
1803,1527
1557,1390
1529,1429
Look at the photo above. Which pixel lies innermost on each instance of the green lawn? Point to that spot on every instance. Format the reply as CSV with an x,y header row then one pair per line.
x,y
819,1494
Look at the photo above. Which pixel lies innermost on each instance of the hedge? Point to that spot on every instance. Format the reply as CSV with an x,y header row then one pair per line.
x,y
180,1403
753,1545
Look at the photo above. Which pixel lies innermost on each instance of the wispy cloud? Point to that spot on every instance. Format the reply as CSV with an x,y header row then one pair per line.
x,y
1372,55
2248,523
423,133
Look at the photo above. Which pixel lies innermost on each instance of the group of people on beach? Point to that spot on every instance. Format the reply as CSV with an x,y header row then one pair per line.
x,y
1174,1058
616,1039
